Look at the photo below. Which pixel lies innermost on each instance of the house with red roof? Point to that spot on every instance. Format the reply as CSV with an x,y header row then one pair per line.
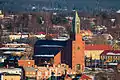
x,y
110,57
98,47
92,52
85,77
118,67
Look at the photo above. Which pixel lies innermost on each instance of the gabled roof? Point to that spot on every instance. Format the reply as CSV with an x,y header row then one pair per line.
x,y
85,77
98,47
110,52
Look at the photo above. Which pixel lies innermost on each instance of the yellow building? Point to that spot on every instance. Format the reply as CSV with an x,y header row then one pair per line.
x,y
95,54
94,51
10,77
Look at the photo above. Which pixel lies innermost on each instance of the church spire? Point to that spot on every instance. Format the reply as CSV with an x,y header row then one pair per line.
x,y
76,24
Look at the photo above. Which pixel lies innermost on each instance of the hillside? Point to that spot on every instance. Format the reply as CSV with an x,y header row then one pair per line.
x,y
86,5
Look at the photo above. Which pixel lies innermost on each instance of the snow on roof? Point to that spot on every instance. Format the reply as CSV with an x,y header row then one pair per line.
x,y
50,46
118,11
98,47
4,48
44,55
8,52
111,52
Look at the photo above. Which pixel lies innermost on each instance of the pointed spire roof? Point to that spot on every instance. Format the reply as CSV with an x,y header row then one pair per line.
x,y
76,23
77,16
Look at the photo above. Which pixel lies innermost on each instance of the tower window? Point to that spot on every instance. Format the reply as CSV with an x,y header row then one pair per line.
x,y
78,48
78,66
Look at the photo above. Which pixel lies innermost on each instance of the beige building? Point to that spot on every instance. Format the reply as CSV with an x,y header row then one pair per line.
x,y
30,72
95,54
10,77
94,51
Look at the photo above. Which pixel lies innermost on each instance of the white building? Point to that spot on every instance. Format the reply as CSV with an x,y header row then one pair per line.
x,y
11,70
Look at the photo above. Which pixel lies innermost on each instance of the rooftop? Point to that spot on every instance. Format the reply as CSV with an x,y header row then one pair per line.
x,y
85,77
110,52
29,69
49,48
98,47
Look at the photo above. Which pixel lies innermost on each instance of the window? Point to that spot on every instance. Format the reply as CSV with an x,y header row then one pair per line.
x,y
33,72
78,66
119,58
27,72
30,72
111,57
28,62
114,57
78,48
102,57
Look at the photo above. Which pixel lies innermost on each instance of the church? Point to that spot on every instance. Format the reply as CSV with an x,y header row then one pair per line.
x,y
70,52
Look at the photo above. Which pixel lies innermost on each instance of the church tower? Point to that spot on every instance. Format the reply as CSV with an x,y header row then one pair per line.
x,y
76,24
77,45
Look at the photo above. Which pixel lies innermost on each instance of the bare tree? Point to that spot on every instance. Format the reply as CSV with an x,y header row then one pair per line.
x,y
99,40
101,76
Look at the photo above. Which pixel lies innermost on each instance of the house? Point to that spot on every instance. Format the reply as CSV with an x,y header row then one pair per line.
x,y
85,77
12,61
110,58
42,73
30,72
118,67
26,63
67,78
12,72
92,53
10,77
14,45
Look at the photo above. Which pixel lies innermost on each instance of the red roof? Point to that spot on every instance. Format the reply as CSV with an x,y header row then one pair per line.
x,y
85,77
98,47
110,52
41,32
